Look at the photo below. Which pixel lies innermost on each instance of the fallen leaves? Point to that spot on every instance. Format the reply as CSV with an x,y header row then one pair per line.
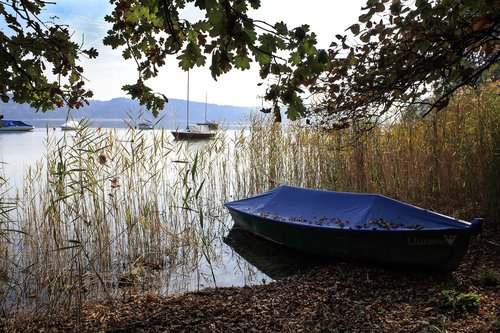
x,y
336,297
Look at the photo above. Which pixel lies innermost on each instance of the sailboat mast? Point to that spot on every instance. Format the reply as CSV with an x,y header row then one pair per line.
x,y
205,107
187,104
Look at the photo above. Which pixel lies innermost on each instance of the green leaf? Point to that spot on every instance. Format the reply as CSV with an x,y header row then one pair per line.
x,y
309,46
379,7
197,194
424,46
202,25
421,3
242,62
214,67
354,29
281,28
322,56
295,58
455,75
254,3
351,58
191,57
262,58
365,38
296,110
268,43
265,70
73,77
365,17
215,17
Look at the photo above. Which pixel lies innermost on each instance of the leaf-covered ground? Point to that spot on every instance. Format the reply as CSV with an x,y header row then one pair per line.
x,y
342,297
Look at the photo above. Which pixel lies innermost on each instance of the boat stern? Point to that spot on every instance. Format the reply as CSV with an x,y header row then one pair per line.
x,y
476,226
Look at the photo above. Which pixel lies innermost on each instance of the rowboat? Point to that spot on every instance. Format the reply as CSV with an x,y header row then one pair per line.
x,y
15,126
357,226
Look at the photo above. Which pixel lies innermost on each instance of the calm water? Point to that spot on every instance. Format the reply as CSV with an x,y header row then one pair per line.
x,y
236,259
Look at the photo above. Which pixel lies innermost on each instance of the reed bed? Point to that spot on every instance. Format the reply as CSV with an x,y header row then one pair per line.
x,y
102,212
105,211
448,161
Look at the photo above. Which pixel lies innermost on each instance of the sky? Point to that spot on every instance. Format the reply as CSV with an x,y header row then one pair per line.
x,y
110,71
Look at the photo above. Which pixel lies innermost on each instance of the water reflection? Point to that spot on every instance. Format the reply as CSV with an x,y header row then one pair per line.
x,y
274,260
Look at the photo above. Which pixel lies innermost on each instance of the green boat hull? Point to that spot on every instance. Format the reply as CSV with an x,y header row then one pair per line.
x,y
435,249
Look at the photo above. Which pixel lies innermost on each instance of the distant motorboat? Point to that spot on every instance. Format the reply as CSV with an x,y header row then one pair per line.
x,y
70,125
15,126
144,126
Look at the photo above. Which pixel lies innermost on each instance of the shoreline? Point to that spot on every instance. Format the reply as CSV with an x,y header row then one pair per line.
x,y
335,297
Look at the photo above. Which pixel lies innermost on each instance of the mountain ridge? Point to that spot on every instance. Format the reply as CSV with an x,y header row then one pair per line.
x,y
122,108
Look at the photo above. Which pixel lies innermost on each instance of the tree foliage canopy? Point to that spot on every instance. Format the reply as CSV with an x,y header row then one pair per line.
x,y
397,54
402,53
406,53
29,48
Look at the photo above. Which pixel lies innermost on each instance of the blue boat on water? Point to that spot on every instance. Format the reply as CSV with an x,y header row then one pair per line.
x,y
358,226
144,126
15,126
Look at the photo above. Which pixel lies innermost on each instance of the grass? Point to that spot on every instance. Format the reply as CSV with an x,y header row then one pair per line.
x,y
105,210
450,299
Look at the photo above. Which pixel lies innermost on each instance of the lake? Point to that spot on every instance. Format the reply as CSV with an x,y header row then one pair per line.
x,y
123,209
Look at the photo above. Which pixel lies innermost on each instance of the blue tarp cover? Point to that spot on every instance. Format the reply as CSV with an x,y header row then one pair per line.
x,y
343,210
12,123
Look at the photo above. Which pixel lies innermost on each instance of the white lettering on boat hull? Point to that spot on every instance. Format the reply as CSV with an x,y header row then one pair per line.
x,y
421,241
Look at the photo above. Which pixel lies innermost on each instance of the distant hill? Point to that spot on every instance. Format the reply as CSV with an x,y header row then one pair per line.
x,y
114,112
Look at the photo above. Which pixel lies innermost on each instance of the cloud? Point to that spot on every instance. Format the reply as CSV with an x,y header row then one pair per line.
x,y
91,9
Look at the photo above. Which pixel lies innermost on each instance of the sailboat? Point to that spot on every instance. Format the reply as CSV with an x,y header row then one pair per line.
x,y
212,125
70,124
192,131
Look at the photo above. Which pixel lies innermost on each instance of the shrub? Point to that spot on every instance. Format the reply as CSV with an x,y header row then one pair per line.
x,y
467,302
450,299
490,279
